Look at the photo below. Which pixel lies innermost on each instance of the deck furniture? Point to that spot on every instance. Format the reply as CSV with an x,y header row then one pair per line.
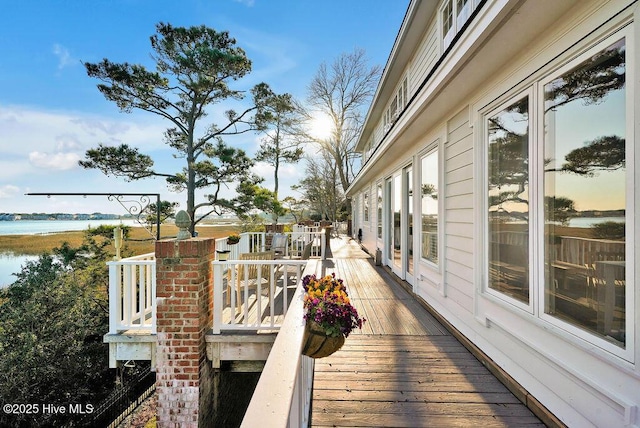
x,y
250,275
279,245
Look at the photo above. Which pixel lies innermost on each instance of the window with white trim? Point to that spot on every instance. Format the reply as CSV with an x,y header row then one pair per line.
x,y
365,204
561,206
379,210
429,206
453,15
398,103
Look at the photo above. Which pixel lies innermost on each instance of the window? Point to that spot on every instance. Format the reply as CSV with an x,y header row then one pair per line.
x,y
379,202
453,15
398,103
429,207
447,22
569,196
585,195
508,199
366,205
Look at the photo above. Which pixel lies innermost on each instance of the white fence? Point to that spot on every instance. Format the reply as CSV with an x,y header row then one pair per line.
x,y
236,281
132,281
282,397
251,242
132,294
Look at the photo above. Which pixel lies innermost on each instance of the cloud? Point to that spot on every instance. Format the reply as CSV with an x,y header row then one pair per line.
x,y
8,191
56,161
26,129
248,3
64,57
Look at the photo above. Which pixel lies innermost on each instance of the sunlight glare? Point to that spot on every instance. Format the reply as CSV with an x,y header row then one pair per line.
x,y
320,126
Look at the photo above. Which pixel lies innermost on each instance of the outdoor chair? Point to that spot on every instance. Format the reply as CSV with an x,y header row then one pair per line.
x,y
279,245
247,275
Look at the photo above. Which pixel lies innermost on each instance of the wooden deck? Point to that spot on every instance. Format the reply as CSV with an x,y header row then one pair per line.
x,y
403,369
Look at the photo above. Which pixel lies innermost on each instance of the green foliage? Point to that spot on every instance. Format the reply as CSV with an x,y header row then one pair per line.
x,y
52,320
252,223
194,67
282,143
167,210
609,230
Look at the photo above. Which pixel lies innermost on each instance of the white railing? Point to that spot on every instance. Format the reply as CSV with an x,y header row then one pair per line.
x,y
132,294
282,397
299,239
250,242
586,251
248,280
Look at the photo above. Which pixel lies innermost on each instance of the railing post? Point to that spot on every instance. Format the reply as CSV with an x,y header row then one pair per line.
x,y
114,298
218,272
323,244
154,306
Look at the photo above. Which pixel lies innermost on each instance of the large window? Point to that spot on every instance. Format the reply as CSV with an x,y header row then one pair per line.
x,y
585,195
568,195
508,199
429,206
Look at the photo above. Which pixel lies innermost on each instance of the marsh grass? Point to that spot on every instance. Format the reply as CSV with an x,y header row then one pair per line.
x,y
138,242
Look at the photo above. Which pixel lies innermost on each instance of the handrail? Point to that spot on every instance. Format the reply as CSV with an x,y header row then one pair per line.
x,y
251,242
282,397
227,275
132,294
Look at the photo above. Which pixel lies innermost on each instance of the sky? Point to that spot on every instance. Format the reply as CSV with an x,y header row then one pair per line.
x,y
51,112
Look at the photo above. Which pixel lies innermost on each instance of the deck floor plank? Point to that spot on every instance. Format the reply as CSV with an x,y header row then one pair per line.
x,y
404,369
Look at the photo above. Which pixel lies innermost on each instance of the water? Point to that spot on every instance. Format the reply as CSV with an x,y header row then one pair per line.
x,y
585,222
10,264
34,227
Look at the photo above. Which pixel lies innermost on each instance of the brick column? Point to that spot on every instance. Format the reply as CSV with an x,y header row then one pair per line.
x,y
184,378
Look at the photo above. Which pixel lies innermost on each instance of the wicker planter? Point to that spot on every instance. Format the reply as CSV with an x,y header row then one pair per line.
x,y
316,344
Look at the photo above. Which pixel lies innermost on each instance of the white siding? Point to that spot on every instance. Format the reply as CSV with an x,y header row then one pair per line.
x,y
458,214
424,59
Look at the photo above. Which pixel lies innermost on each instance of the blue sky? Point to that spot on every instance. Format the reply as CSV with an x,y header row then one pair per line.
x,y
51,112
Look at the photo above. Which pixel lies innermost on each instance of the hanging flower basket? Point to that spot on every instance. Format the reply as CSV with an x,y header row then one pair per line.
x,y
329,315
317,344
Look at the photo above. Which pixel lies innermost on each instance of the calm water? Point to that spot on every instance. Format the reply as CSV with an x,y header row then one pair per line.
x,y
10,264
34,227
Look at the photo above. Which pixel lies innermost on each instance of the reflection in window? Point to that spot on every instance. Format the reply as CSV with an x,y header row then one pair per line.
x,y
397,225
429,204
408,172
508,200
584,194
366,205
447,22
379,219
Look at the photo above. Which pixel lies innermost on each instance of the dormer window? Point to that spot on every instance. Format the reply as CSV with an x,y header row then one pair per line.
x,y
398,103
454,14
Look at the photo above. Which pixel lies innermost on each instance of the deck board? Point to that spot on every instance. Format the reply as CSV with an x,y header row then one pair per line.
x,y
404,369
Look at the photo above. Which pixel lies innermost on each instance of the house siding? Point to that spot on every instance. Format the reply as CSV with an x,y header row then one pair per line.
x,y
425,58
582,384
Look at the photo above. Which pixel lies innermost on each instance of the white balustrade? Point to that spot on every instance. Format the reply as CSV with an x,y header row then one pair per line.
x,y
250,242
282,397
252,277
132,294
301,237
